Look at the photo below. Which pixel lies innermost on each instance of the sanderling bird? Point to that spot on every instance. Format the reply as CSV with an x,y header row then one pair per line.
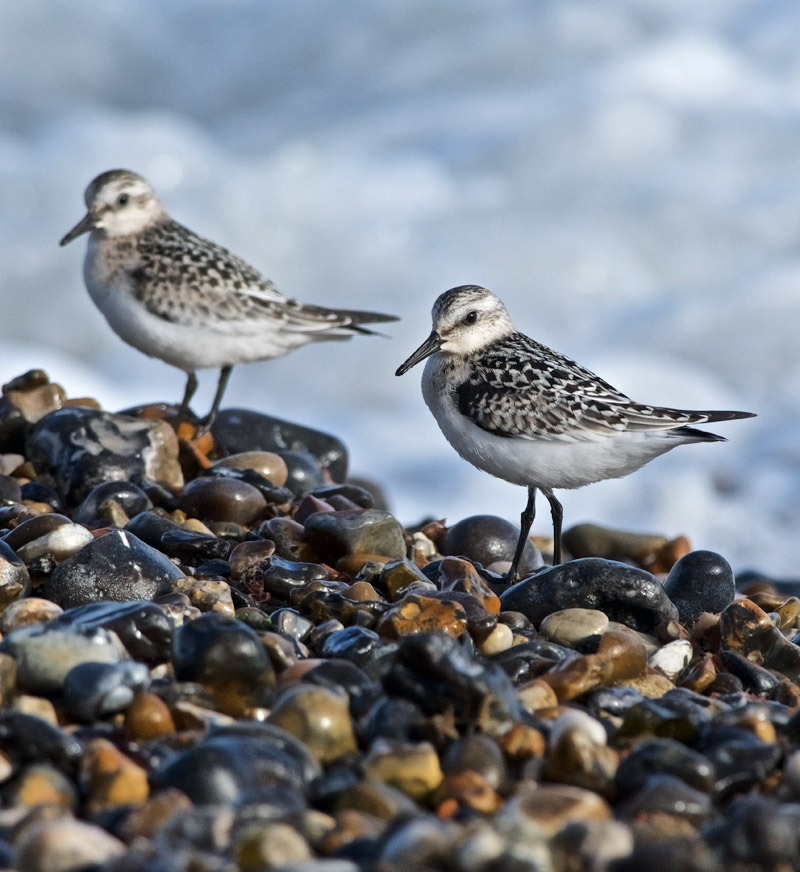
x,y
529,415
186,300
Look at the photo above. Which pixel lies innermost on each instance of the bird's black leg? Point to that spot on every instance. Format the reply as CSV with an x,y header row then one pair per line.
x,y
224,375
557,512
191,387
525,522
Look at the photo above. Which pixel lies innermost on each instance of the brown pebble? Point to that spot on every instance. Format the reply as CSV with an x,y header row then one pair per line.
x,y
460,576
43,784
363,591
468,790
319,717
412,768
423,614
148,717
147,820
207,594
112,778
272,466
222,499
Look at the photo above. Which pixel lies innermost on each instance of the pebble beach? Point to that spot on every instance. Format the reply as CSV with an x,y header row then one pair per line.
x,y
224,654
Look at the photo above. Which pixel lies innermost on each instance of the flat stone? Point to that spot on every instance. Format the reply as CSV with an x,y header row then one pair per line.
x,y
625,594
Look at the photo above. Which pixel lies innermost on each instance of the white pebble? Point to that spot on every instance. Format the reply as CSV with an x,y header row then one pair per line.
x,y
672,657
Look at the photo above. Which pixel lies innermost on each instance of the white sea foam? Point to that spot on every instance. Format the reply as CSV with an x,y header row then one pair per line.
x,y
624,175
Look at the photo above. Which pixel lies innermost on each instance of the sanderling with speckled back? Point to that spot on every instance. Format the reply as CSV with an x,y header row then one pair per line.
x,y
527,414
186,300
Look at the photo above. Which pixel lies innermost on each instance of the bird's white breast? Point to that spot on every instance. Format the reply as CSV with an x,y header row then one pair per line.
x,y
550,462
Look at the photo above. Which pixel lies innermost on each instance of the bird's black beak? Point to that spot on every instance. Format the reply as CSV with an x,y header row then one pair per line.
x,y
86,224
430,346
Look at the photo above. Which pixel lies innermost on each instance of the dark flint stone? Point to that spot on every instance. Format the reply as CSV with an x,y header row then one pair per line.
x,y
611,702
785,586
239,430
280,577
670,855
188,545
650,717
362,691
356,531
740,759
273,494
485,539
295,754
78,448
28,739
665,794
353,492
38,492
758,833
665,757
440,675
725,684
321,604
747,631
231,770
291,623
214,648
304,472
216,568
13,570
94,690
143,627
528,660
626,594
397,719
362,646
754,678
150,527
13,427
118,567
10,490
130,497
701,581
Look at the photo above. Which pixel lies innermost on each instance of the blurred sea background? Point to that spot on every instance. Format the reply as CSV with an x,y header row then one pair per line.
x,y
625,175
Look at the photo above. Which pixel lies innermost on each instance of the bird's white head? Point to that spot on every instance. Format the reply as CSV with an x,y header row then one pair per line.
x,y
118,203
465,320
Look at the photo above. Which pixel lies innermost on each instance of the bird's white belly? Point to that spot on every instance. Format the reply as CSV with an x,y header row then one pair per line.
x,y
539,462
186,346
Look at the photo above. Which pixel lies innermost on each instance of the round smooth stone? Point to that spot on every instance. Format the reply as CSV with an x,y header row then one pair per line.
x,y
222,499
702,581
272,466
319,717
570,627
131,498
27,612
95,690
58,544
63,844
487,539
148,717
46,653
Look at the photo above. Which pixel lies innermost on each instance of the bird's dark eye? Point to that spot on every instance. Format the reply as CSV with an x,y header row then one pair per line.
x,y
471,317
123,199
